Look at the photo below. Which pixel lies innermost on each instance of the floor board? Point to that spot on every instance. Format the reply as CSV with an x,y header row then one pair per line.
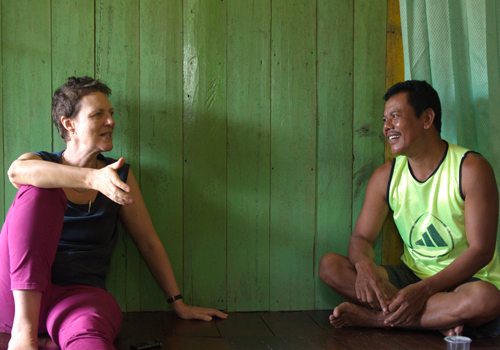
x,y
266,330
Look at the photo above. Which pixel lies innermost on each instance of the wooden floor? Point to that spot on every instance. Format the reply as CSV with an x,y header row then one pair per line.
x,y
266,330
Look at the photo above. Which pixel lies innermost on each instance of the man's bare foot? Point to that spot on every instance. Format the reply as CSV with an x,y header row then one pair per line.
x,y
452,331
350,315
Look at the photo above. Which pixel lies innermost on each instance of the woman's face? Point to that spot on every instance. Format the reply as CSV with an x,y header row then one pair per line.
x,y
94,123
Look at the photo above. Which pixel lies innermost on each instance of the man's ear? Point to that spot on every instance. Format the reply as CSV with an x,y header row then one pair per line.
x,y
428,116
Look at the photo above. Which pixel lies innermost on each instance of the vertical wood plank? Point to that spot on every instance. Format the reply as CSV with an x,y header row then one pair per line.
x,y
72,46
293,154
26,81
161,135
117,64
335,105
205,152
392,245
248,152
369,87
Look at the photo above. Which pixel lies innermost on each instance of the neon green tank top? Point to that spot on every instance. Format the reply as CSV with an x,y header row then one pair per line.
x,y
430,216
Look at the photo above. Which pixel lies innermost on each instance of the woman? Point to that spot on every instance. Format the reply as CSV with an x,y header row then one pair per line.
x,y
60,231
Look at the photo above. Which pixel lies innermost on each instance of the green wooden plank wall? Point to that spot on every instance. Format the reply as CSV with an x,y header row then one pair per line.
x,y
252,127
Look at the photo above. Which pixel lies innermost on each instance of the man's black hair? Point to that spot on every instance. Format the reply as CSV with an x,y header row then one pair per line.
x,y
421,96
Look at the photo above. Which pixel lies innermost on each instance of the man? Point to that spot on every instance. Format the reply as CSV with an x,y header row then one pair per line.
x,y
445,203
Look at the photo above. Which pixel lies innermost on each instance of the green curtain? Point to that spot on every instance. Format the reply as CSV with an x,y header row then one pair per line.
x,y
455,46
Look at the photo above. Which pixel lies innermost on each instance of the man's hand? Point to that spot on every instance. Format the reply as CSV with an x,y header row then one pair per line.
x,y
370,286
406,304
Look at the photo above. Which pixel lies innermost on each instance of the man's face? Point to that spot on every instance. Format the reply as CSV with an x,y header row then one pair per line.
x,y
401,126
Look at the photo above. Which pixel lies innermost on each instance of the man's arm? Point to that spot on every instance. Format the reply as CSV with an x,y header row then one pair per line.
x,y
481,220
369,283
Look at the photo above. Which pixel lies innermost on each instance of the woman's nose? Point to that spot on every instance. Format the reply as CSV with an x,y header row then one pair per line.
x,y
110,120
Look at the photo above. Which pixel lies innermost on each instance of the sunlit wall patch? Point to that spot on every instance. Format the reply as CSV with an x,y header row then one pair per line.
x,y
430,237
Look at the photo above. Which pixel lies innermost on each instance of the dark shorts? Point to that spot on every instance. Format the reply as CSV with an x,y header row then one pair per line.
x,y
401,276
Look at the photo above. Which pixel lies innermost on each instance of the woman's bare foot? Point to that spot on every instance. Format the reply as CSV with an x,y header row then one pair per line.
x,y
23,341
24,334
350,315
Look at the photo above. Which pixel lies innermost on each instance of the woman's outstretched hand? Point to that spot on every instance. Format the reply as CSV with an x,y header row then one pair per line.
x,y
195,313
107,181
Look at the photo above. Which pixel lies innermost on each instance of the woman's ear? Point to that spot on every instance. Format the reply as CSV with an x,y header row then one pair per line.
x,y
68,124
428,116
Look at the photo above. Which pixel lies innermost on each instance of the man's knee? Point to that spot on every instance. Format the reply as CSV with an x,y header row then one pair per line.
x,y
331,267
481,301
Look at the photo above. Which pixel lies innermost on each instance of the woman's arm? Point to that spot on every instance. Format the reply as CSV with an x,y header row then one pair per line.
x,y
30,169
139,225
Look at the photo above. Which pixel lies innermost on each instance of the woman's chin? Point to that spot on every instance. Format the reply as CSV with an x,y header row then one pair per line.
x,y
107,148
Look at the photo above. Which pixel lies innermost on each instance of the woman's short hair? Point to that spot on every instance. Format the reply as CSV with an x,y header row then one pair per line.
x,y
66,100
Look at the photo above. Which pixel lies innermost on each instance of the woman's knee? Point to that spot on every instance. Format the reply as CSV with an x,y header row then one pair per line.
x,y
32,231
82,314
89,332
44,199
38,209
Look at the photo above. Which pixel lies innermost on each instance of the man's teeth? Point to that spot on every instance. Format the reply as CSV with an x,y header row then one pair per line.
x,y
393,137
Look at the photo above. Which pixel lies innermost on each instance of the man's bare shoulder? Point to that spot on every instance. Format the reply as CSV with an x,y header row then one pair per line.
x,y
383,172
380,179
473,159
477,173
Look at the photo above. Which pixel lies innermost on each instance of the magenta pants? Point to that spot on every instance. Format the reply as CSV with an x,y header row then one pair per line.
x,y
76,317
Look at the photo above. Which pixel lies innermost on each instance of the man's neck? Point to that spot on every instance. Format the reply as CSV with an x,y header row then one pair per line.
x,y
427,159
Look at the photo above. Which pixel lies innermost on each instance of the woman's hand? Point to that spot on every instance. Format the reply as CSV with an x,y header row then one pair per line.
x,y
107,181
195,313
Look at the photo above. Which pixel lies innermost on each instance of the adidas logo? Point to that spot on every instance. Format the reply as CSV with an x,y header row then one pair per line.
x,y
431,238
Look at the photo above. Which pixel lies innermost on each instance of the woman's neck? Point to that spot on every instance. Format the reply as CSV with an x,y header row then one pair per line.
x,y
80,159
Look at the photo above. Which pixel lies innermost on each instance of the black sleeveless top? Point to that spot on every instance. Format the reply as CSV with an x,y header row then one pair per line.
x,y
88,237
